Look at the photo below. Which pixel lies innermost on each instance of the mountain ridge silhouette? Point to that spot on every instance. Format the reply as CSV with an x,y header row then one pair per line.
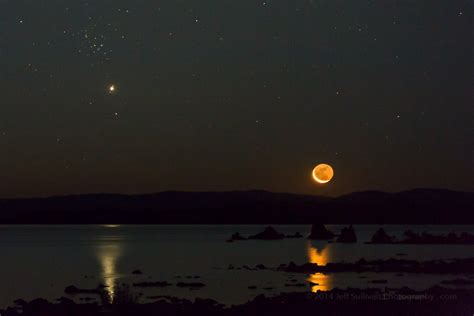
x,y
417,206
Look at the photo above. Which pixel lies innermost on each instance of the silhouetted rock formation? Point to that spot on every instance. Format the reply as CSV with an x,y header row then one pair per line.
x,y
426,238
268,234
319,231
138,271
260,267
347,235
381,237
236,236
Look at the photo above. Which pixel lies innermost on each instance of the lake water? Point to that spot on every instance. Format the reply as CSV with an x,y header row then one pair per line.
x,y
40,261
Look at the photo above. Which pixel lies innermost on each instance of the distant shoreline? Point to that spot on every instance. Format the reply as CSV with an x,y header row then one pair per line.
x,y
419,206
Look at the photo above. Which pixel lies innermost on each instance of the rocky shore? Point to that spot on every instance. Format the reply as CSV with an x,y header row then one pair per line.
x,y
269,233
433,301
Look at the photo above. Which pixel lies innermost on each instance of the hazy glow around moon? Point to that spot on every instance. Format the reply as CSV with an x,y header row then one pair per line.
x,y
323,173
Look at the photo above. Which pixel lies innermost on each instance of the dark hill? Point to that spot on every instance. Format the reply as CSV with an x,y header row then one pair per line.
x,y
422,206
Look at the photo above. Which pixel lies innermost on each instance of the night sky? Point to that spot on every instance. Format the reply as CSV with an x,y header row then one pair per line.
x,y
234,95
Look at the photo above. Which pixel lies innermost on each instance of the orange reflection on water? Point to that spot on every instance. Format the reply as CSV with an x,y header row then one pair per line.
x,y
321,256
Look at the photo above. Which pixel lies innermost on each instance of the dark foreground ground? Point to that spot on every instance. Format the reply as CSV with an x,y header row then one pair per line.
x,y
433,301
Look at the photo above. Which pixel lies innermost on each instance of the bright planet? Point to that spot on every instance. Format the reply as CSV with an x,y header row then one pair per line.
x,y
323,173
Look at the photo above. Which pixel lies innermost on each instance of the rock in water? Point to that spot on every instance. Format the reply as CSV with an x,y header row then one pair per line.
x,y
268,234
236,236
381,237
347,235
319,231
295,235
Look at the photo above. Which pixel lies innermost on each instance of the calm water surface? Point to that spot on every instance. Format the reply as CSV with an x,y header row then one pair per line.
x,y
40,261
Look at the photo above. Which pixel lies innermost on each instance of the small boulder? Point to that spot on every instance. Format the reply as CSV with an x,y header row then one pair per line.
x,y
295,235
236,236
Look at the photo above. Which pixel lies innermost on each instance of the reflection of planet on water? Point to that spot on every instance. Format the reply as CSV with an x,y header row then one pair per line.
x,y
108,253
111,225
323,173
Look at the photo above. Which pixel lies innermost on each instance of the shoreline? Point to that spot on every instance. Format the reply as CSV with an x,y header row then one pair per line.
x,y
372,301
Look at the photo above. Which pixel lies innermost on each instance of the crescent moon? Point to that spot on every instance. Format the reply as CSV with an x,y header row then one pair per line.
x,y
328,173
317,179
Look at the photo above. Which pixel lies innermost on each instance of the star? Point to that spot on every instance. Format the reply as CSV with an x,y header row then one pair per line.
x,y
112,88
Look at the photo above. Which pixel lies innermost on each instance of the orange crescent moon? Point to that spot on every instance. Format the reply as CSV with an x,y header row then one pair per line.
x,y
323,170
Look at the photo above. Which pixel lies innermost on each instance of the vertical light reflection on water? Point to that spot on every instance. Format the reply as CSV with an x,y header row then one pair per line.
x,y
108,251
321,256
